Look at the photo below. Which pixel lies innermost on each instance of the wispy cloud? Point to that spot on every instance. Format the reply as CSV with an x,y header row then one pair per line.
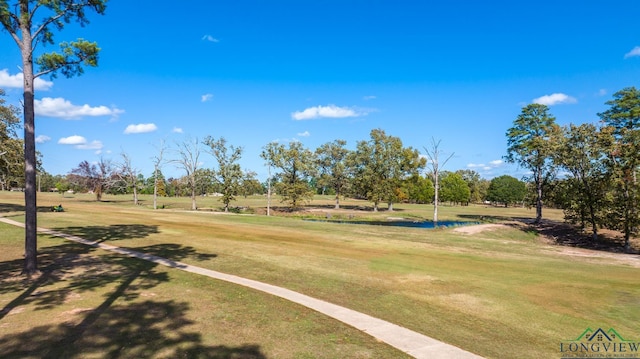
x,y
43,139
330,111
602,92
210,38
206,97
304,134
486,167
177,130
93,145
140,128
634,52
17,81
61,108
554,99
81,143
367,98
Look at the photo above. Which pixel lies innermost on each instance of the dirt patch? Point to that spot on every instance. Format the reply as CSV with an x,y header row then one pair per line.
x,y
624,258
571,241
478,228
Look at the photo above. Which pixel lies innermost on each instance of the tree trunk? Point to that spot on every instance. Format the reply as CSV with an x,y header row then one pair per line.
x,y
435,202
98,192
538,199
337,206
155,189
193,199
30,201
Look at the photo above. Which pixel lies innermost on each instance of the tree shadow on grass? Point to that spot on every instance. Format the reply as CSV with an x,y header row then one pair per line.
x,y
142,330
123,325
10,207
563,234
112,232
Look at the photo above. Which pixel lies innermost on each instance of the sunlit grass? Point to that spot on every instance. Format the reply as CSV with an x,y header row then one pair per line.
x,y
499,293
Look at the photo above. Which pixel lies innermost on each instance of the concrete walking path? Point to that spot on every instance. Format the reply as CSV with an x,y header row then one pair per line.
x,y
408,341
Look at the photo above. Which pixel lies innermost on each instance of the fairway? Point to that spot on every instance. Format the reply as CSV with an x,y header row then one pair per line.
x,y
499,292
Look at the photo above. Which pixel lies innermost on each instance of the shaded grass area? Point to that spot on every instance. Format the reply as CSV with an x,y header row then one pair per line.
x,y
91,303
500,293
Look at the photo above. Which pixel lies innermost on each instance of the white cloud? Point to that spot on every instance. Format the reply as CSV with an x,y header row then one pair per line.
x,y
496,163
72,140
206,97
602,92
210,38
17,81
554,99
80,143
177,130
140,128
367,98
304,134
43,139
634,52
61,108
330,111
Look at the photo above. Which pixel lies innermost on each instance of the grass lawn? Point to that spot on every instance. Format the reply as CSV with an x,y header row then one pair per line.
x,y
499,293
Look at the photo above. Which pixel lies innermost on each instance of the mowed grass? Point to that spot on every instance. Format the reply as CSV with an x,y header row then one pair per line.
x,y
499,293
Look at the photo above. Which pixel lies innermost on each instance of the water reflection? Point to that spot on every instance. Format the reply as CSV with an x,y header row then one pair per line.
x,y
411,224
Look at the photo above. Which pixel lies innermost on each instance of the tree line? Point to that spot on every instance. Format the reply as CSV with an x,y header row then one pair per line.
x,y
381,170
589,170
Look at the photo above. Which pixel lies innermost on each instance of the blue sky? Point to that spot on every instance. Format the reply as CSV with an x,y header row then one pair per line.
x,y
316,71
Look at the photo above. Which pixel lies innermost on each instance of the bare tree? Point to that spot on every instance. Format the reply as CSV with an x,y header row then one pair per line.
x,y
129,175
158,160
188,159
433,154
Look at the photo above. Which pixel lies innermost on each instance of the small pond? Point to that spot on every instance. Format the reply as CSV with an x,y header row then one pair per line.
x,y
411,224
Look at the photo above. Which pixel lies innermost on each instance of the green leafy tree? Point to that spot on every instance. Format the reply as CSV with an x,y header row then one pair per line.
x,y
229,173
296,165
582,152
31,23
11,147
205,181
531,143
623,117
379,167
63,185
477,185
331,159
506,190
250,184
454,188
419,189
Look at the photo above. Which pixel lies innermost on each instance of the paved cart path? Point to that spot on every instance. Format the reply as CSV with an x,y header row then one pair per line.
x,y
408,341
